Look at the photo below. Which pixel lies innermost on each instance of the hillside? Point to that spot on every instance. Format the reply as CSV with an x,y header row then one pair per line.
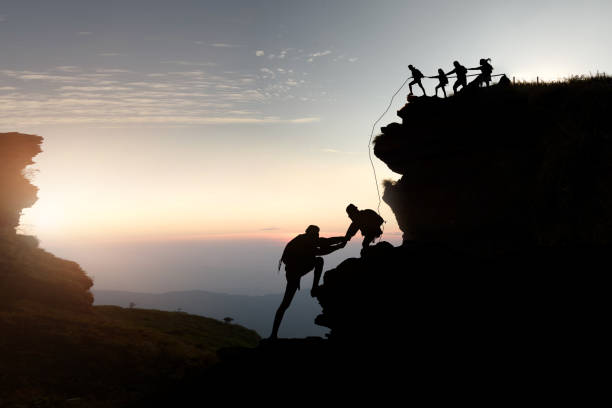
x,y
254,312
104,357
56,348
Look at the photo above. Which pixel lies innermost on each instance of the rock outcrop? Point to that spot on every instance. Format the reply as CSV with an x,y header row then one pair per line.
x,y
505,167
506,207
27,272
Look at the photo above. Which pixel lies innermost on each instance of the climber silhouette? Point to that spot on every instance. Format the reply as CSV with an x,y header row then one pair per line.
x,y
416,79
443,81
367,221
300,257
461,73
485,72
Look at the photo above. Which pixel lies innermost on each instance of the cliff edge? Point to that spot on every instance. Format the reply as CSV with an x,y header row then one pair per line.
x,y
27,272
505,167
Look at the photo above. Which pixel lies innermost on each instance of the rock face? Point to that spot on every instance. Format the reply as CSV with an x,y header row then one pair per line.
x,y
505,167
505,206
27,272
16,152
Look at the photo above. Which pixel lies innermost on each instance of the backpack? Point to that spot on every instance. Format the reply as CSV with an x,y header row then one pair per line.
x,y
297,251
370,220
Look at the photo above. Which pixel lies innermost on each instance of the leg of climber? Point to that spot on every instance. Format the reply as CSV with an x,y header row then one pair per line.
x,y
318,270
292,287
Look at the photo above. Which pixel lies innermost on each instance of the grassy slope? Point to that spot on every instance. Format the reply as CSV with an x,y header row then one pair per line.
x,y
107,356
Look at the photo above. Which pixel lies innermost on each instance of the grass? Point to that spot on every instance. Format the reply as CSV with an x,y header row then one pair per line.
x,y
106,356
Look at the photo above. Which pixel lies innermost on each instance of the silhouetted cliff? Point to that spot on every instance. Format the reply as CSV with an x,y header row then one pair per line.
x,y
499,288
56,349
16,152
27,272
504,167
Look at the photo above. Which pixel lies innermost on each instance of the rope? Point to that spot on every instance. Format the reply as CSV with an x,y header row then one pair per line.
x,y
372,135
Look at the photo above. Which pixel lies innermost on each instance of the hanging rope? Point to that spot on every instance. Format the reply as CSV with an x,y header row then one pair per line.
x,y
372,135
370,142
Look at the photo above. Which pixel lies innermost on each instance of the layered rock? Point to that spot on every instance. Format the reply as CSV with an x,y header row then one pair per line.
x,y
506,207
27,272
505,167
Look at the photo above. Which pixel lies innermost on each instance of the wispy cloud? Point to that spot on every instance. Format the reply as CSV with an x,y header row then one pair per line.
x,y
112,70
115,96
224,45
314,55
193,63
270,229
84,33
259,53
68,68
109,54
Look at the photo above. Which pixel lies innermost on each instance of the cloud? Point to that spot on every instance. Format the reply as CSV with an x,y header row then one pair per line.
x,y
223,45
270,229
68,68
145,119
352,59
111,71
84,33
259,53
113,96
109,54
313,56
194,63
327,150
94,88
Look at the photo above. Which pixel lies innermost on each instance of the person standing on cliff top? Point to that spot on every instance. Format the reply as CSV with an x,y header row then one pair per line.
x,y
443,81
485,69
416,79
301,255
367,221
461,73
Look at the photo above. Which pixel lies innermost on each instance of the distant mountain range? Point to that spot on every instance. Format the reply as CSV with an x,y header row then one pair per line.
x,y
253,312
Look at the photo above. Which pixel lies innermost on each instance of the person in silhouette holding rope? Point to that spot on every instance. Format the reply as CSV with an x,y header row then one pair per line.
x,y
301,255
443,81
486,69
417,76
461,72
367,221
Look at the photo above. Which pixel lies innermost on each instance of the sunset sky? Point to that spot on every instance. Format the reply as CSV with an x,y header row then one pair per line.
x,y
224,128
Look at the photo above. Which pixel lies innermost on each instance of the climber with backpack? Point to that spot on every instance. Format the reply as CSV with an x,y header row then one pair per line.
x,y
301,255
486,69
367,221
416,79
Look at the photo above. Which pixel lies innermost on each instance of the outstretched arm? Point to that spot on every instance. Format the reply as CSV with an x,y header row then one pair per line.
x,y
328,245
351,231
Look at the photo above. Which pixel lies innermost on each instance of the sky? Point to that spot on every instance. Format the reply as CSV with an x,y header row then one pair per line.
x,y
185,136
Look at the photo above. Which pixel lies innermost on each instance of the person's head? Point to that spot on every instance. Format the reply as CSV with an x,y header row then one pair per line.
x,y
440,71
411,67
312,231
483,61
456,63
351,210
